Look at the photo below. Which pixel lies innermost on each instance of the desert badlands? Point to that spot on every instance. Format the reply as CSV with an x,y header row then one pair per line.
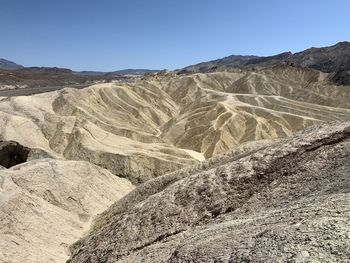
x,y
244,159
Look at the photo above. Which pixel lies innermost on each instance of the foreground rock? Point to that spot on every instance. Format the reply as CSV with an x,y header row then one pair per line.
x,y
47,204
285,201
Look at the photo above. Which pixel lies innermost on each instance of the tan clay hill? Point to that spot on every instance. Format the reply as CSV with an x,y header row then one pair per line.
x,y
140,130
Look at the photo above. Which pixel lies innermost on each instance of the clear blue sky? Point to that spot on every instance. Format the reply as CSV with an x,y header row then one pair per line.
x,y
115,34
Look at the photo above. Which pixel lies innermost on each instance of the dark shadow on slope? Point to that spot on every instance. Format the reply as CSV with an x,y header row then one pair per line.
x,y
12,153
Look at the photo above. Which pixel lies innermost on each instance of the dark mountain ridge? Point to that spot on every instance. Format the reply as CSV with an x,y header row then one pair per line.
x,y
333,59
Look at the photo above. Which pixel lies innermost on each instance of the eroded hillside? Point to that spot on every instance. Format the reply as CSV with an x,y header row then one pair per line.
x,y
147,127
216,139
281,201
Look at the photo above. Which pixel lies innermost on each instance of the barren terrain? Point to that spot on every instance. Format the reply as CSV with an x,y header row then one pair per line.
x,y
243,160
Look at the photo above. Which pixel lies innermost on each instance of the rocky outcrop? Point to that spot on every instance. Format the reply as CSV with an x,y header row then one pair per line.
x,y
284,201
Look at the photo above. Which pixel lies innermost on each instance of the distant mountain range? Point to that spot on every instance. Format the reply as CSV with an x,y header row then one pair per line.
x,y
118,72
19,80
6,64
10,65
334,59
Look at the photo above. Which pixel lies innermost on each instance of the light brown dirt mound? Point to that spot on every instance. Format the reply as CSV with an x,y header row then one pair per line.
x,y
288,201
46,205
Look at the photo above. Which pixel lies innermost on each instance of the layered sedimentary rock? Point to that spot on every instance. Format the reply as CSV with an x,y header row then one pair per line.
x,y
281,201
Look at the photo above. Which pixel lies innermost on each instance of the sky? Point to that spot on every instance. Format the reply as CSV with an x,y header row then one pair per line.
x,y
107,35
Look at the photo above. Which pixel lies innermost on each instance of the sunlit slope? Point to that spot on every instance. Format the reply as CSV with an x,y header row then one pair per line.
x,y
111,126
221,110
147,127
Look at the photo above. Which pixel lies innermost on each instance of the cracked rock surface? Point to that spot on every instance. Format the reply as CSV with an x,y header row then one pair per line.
x,y
288,201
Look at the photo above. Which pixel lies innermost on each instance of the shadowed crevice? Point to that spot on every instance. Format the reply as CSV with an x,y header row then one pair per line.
x,y
12,153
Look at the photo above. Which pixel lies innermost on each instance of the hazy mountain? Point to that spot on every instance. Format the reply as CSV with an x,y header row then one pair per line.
x,y
132,72
42,79
90,73
6,64
117,73
32,80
